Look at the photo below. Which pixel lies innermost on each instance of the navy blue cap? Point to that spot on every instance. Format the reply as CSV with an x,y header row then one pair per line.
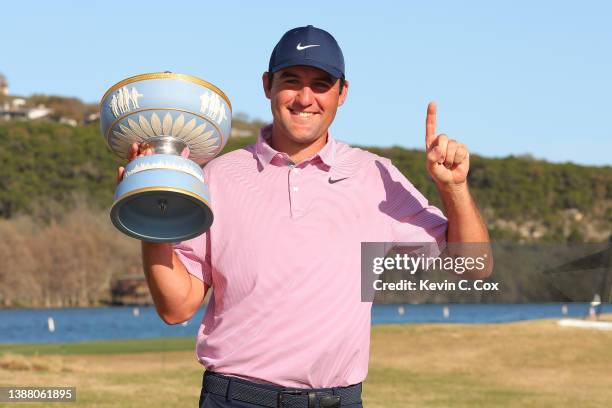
x,y
309,46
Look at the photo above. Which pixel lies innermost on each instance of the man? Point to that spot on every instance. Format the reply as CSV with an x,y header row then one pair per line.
x,y
285,325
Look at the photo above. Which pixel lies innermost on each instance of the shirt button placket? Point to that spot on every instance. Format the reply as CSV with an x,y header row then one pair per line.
x,y
293,190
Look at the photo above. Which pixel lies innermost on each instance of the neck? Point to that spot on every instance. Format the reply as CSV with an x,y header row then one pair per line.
x,y
297,152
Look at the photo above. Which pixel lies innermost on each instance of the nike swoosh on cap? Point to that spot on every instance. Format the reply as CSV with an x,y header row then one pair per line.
x,y
299,47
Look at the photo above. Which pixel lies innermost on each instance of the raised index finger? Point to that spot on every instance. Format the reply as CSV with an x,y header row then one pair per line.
x,y
430,125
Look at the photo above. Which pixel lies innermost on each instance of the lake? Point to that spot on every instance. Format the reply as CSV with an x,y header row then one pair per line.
x,y
82,324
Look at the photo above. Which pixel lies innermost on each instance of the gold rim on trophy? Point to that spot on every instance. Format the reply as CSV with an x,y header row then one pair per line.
x,y
163,75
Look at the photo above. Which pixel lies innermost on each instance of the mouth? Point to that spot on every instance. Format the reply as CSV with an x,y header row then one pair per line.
x,y
302,114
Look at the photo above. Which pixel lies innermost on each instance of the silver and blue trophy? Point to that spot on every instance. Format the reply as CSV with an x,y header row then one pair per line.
x,y
185,121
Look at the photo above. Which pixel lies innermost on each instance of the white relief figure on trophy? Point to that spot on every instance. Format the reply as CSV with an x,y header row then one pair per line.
x,y
222,114
204,102
212,105
126,97
134,97
122,99
114,105
121,102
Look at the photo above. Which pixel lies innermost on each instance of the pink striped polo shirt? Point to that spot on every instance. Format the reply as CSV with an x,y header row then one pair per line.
x,y
283,257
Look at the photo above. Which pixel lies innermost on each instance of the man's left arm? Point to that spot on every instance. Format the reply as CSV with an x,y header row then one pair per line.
x,y
448,163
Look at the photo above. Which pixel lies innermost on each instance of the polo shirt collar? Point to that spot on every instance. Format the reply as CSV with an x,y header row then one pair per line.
x,y
265,153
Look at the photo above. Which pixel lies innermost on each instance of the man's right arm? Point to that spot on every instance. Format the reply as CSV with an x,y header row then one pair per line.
x,y
177,294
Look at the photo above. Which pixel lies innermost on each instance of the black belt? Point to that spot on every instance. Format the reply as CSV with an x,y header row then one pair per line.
x,y
273,396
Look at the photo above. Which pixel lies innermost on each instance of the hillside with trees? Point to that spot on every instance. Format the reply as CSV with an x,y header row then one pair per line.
x,y
58,247
46,164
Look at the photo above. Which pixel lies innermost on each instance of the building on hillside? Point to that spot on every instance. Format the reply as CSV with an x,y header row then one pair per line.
x,y
68,121
18,103
15,107
39,112
10,111
3,86
92,117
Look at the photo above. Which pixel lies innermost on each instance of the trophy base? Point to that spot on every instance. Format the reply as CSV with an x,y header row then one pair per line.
x,y
162,204
162,215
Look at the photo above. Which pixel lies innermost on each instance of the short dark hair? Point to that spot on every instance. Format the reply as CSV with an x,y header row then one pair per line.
x,y
271,75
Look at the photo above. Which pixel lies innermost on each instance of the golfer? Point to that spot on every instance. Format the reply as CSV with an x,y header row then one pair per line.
x,y
285,326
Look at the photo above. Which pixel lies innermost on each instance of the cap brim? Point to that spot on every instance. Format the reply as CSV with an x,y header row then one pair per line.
x,y
336,73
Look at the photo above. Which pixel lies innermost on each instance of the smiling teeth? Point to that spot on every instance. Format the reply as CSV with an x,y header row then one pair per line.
x,y
305,114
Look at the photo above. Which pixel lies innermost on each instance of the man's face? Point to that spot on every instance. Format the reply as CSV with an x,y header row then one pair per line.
x,y
304,101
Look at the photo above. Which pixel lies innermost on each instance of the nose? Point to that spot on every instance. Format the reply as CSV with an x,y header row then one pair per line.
x,y
305,96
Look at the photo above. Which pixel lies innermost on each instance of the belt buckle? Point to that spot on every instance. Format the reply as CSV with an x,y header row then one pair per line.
x,y
325,401
288,392
330,401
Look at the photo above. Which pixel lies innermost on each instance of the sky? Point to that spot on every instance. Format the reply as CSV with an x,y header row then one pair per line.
x,y
509,77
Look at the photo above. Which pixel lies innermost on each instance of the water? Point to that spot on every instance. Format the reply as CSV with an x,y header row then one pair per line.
x,y
82,324
32,326
478,313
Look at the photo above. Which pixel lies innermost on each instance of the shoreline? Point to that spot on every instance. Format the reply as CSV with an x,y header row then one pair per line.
x,y
177,343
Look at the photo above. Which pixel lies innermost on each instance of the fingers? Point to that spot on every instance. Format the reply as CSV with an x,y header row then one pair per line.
x,y
462,154
136,150
430,125
434,156
437,149
144,150
120,172
133,151
447,151
451,151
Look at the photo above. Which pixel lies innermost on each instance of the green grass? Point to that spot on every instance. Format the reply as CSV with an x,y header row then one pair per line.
x,y
526,364
439,390
161,344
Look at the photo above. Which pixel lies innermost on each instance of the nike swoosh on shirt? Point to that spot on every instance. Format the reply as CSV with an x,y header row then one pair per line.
x,y
299,47
336,180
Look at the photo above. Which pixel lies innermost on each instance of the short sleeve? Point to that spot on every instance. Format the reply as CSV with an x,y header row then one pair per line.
x,y
412,218
195,255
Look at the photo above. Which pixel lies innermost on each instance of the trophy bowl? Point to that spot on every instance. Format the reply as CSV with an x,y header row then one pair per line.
x,y
185,121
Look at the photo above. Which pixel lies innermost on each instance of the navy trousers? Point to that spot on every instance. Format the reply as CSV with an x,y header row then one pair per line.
x,y
208,400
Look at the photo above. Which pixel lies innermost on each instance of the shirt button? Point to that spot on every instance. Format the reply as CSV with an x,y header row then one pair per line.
x,y
296,188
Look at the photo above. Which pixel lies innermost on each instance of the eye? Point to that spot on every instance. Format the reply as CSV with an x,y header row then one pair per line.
x,y
321,86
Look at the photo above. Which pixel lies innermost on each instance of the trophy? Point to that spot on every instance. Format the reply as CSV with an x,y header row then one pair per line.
x,y
185,121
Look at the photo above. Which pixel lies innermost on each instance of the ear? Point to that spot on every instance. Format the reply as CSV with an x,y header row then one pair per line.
x,y
344,93
265,80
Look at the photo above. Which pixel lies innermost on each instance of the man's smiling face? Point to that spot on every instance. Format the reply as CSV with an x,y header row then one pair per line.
x,y
304,101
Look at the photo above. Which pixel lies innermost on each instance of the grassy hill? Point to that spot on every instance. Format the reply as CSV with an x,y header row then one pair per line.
x,y
44,164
